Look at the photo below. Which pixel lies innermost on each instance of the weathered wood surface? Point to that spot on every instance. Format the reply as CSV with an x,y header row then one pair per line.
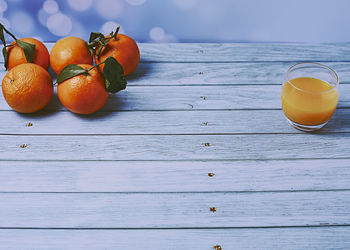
x,y
193,98
174,210
241,52
179,147
170,176
161,122
143,162
205,239
247,73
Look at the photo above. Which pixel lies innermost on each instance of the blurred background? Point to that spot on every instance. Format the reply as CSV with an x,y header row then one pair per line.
x,y
315,21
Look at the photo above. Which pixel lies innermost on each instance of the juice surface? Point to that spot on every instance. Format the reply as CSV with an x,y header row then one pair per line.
x,y
304,104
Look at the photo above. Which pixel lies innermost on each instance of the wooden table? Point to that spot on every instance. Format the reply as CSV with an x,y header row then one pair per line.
x,y
195,153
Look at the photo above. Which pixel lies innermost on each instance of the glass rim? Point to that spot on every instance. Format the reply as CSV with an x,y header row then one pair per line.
x,y
314,64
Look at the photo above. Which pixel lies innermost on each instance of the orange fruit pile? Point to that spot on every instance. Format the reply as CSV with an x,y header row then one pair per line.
x,y
82,87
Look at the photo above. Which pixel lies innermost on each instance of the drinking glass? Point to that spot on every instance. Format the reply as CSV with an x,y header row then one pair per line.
x,y
309,95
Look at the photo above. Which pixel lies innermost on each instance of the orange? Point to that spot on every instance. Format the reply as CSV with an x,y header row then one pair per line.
x,y
124,49
69,50
83,94
16,54
27,88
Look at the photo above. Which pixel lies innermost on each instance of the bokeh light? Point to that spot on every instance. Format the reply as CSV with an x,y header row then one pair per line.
x,y
157,34
3,6
80,5
59,24
50,6
43,16
110,26
109,9
181,20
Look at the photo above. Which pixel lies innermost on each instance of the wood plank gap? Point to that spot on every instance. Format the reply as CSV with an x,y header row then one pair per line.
x,y
180,160
186,192
173,228
180,134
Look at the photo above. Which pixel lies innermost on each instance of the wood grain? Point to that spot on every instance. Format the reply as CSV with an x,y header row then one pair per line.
x,y
190,110
179,147
193,98
161,122
173,210
221,73
260,238
158,74
164,176
240,52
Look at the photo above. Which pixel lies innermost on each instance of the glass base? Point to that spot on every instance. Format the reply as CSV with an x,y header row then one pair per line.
x,y
306,128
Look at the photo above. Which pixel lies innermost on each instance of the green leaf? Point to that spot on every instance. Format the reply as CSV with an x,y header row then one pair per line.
x,y
70,71
28,49
6,57
114,75
96,35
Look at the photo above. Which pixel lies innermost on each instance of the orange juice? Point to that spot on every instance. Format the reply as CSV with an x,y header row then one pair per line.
x,y
308,101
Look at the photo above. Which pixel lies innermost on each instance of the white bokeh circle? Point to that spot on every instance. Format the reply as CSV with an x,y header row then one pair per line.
x,y
50,6
110,26
109,9
3,5
42,16
59,24
80,5
157,34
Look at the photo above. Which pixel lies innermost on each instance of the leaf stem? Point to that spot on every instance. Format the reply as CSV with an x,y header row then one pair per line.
x,y
8,32
116,33
96,65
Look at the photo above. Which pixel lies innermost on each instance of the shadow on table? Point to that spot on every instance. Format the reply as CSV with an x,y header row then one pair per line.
x,y
122,100
115,103
52,74
340,122
141,70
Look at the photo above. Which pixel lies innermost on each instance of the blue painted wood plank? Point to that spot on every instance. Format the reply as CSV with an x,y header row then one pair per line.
x,y
259,238
174,210
165,176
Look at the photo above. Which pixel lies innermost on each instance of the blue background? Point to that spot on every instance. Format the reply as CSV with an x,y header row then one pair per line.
x,y
182,20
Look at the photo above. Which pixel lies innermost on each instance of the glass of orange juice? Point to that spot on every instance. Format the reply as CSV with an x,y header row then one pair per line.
x,y
309,95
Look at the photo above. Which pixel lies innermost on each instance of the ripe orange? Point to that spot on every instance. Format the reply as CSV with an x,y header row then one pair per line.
x,y
16,54
27,88
124,49
69,50
83,94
